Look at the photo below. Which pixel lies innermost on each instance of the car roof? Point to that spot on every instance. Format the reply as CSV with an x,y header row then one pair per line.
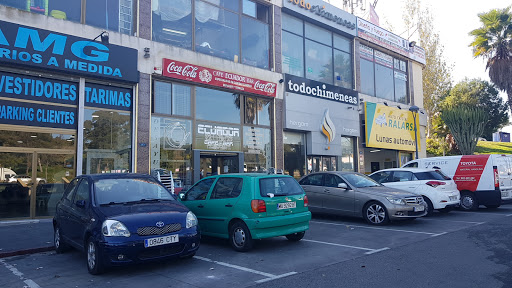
x,y
255,175
414,170
116,176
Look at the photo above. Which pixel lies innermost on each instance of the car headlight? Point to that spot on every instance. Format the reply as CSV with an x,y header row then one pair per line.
x,y
396,201
114,228
191,220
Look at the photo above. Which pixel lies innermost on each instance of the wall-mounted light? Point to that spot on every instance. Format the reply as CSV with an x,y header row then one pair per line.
x,y
104,37
146,52
281,80
412,43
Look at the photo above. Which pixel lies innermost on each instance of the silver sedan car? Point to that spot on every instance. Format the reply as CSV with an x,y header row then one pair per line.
x,y
355,194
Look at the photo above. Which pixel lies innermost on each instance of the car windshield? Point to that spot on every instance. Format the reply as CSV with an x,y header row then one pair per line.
x,y
431,175
360,180
279,186
125,190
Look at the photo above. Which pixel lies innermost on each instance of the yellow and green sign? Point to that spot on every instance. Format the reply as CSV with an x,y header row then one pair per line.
x,y
390,128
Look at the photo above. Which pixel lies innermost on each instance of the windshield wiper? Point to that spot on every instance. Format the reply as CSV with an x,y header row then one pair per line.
x,y
146,201
112,203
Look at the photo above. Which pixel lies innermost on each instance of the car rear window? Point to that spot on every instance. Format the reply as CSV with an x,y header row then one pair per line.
x,y
129,189
431,175
279,186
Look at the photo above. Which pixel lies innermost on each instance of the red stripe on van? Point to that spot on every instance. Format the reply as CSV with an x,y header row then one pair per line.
x,y
469,171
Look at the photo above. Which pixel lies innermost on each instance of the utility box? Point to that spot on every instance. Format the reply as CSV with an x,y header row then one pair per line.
x,y
501,137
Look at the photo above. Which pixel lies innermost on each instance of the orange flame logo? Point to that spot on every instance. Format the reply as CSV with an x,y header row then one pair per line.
x,y
328,127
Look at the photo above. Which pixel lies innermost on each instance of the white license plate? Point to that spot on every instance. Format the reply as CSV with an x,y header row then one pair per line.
x,y
157,241
419,208
504,194
453,198
286,205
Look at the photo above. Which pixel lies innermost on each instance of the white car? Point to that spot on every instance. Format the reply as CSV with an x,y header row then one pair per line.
x,y
26,179
438,190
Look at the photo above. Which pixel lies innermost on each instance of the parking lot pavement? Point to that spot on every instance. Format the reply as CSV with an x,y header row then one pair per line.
x,y
330,240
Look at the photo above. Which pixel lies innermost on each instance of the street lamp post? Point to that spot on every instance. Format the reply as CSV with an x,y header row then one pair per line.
x,y
414,109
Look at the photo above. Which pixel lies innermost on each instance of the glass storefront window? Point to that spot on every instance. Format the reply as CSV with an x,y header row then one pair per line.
x,y
342,69
294,154
255,43
15,195
318,62
318,34
107,141
292,24
228,4
171,98
36,140
172,22
347,154
367,78
400,88
384,82
293,54
217,105
216,31
257,149
171,148
256,10
342,43
264,111
257,111
116,15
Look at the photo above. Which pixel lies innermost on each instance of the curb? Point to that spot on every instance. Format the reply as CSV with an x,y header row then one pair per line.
x,y
26,251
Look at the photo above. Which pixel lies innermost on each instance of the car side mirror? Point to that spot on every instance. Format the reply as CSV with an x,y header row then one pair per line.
x,y
342,185
182,196
80,203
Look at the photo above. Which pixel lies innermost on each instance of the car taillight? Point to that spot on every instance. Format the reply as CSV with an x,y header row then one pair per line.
x,y
496,177
306,201
258,206
435,183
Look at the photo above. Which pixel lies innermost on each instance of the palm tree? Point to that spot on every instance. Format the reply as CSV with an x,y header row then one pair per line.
x,y
493,41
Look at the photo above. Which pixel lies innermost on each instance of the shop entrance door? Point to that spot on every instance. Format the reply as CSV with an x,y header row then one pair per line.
x,y
37,180
208,163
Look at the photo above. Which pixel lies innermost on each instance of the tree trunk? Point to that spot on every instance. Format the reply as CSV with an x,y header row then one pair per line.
x,y
509,94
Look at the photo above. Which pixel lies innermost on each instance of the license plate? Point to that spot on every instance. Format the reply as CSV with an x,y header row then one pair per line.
x,y
453,198
419,208
157,241
504,194
286,205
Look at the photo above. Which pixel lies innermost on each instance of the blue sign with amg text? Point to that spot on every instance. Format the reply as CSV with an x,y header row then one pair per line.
x,y
30,114
26,87
27,46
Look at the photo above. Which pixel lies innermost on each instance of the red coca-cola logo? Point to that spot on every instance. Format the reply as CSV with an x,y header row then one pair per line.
x,y
187,71
265,87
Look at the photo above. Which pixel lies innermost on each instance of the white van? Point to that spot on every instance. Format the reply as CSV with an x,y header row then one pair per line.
x,y
481,179
6,174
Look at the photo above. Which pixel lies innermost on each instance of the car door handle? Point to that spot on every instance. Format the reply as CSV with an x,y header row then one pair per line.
x,y
228,205
327,190
200,206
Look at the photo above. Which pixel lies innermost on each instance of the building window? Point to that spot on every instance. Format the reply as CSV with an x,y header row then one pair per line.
x,y
347,154
236,30
171,98
382,75
257,149
218,106
107,141
316,53
113,15
294,154
257,111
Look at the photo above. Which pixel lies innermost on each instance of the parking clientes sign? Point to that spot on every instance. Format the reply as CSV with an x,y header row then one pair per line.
x,y
27,46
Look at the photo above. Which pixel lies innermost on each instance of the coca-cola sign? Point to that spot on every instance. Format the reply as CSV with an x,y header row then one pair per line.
x,y
185,71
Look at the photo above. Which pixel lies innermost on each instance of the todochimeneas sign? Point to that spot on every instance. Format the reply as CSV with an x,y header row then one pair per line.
x,y
390,128
198,74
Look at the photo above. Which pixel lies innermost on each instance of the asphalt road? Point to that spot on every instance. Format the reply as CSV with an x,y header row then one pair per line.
x,y
458,249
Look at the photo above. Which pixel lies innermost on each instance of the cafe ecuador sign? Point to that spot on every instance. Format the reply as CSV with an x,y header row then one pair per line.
x,y
207,76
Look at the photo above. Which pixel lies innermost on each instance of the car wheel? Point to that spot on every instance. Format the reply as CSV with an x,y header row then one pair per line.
x,y
296,236
375,213
430,206
468,201
58,242
94,262
492,206
240,237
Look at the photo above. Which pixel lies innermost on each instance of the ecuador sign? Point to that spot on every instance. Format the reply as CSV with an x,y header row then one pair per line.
x,y
390,128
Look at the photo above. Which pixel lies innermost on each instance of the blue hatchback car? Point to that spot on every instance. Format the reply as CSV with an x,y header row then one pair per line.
x,y
119,219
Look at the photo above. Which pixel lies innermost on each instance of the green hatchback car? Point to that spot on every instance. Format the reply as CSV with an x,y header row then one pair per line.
x,y
242,207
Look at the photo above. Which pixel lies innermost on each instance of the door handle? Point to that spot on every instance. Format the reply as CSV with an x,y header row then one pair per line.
x,y
200,206
327,190
228,205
